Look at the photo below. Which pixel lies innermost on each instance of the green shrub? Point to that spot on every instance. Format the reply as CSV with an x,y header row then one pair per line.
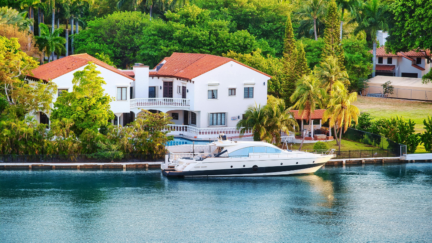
x,y
320,146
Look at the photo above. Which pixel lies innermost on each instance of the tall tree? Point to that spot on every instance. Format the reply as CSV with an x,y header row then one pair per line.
x,y
329,73
255,119
341,111
371,17
411,28
23,97
50,42
289,61
13,17
307,97
279,120
332,43
346,5
310,12
302,67
87,105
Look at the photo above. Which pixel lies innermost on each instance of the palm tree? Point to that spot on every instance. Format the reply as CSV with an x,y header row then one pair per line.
x,y
254,119
13,17
329,73
280,119
50,42
371,17
346,5
307,97
341,111
310,12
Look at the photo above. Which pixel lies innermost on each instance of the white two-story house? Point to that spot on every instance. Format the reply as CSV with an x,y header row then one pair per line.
x,y
62,71
204,94
412,64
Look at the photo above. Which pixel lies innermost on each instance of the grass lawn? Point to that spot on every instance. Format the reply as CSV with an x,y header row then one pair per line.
x,y
387,108
346,145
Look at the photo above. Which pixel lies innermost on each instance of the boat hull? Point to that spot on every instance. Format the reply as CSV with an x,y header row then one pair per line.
x,y
261,171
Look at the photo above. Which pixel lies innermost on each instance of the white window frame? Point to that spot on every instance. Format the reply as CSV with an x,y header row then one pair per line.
x,y
244,92
121,98
229,91
223,118
212,90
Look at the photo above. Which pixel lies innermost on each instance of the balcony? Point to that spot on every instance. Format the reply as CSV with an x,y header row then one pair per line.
x,y
154,103
204,133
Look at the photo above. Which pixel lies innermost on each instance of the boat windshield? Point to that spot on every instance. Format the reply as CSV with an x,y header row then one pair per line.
x,y
244,152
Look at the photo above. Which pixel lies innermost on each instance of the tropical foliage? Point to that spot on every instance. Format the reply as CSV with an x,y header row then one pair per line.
x,y
50,42
87,105
268,122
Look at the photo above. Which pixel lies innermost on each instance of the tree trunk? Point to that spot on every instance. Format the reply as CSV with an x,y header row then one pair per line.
x,y
374,58
341,23
340,138
31,18
72,30
151,11
58,23
315,29
39,20
335,134
76,29
67,41
301,145
311,127
53,20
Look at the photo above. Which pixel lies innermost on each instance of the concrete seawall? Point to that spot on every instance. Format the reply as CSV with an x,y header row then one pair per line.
x,y
157,165
80,166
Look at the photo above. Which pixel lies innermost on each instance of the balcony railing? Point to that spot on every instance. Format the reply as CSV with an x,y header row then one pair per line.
x,y
160,102
204,133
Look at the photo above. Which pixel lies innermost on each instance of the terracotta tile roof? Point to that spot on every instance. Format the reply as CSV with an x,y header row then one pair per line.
x,y
419,53
385,68
317,114
191,65
382,53
418,67
67,64
129,73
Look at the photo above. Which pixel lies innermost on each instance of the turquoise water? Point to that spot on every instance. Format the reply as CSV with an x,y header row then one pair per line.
x,y
182,141
354,204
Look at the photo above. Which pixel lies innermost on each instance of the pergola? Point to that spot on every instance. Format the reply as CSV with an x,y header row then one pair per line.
x,y
316,115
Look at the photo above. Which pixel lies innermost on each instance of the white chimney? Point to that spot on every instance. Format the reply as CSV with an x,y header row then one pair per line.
x,y
141,80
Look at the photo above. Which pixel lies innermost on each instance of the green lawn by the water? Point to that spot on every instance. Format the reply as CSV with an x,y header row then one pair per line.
x,y
387,108
346,145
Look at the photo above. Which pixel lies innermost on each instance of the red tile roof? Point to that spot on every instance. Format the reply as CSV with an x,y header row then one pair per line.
x,y
129,73
382,53
385,68
317,114
67,64
191,65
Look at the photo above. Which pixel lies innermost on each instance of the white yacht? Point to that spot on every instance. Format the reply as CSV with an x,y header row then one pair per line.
x,y
232,158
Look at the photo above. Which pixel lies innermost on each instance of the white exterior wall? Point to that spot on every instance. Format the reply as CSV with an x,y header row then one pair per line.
x,y
112,79
228,75
406,67
141,81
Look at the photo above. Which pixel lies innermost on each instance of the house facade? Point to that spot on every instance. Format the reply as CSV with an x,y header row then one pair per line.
x,y
204,94
412,64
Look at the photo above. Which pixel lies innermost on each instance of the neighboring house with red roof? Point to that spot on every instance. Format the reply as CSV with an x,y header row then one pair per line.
x,y
61,72
412,64
204,94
